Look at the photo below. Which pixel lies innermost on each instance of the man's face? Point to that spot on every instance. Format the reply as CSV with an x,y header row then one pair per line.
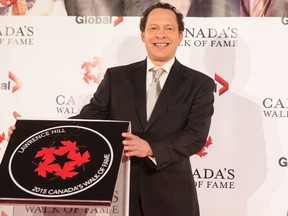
x,y
161,36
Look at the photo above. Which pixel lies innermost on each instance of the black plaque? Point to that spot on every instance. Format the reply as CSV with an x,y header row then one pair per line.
x,y
62,162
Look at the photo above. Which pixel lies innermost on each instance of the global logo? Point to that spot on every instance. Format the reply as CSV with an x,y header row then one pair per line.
x,y
98,20
61,161
224,84
283,162
285,20
8,85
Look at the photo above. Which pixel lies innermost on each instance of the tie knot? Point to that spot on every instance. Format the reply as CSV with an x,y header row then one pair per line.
x,y
157,72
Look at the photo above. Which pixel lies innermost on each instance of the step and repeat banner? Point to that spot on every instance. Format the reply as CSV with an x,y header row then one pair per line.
x,y
51,65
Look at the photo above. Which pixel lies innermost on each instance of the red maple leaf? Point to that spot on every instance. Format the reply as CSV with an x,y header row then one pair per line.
x,y
87,74
68,146
2,137
43,168
208,142
86,77
47,154
203,152
79,159
88,67
67,171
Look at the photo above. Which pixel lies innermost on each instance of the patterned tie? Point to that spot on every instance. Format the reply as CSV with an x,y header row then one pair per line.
x,y
154,90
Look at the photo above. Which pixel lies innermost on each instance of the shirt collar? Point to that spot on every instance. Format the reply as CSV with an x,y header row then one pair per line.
x,y
167,66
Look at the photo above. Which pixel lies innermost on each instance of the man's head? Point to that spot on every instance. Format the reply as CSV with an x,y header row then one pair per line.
x,y
161,30
167,6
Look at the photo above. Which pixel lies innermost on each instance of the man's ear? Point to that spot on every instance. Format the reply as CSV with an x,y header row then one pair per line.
x,y
180,36
142,36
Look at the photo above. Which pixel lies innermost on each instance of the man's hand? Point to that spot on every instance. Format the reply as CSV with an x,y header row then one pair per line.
x,y
135,146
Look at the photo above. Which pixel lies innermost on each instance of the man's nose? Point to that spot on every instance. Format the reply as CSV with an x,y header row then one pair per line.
x,y
161,34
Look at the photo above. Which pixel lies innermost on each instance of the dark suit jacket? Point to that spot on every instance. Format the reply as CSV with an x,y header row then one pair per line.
x,y
177,129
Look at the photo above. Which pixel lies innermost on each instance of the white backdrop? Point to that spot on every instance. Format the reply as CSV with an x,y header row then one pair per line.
x,y
243,168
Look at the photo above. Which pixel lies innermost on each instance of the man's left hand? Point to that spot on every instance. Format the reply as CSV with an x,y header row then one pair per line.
x,y
135,146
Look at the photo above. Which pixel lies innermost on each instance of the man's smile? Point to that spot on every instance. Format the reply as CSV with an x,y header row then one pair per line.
x,y
161,44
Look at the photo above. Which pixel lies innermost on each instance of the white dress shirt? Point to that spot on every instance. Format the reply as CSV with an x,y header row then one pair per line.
x,y
149,75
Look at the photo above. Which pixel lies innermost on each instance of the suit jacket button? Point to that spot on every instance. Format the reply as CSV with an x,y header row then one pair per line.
x,y
164,165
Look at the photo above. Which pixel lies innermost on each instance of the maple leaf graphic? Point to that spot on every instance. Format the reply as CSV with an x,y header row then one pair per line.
x,y
68,147
89,67
80,159
43,168
203,152
47,154
72,159
2,137
67,171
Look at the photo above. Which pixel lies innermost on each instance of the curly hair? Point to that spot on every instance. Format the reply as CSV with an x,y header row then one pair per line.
x,y
162,5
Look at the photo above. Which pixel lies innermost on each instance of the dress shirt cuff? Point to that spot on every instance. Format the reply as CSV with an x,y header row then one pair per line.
x,y
153,160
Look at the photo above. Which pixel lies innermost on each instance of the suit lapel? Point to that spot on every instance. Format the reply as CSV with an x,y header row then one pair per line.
x,y
173,83
138,79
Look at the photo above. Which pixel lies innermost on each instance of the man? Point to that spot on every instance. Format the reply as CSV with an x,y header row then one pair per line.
x,y
94,7
32,7
193,8
161,177
264,8
159,146
214,8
